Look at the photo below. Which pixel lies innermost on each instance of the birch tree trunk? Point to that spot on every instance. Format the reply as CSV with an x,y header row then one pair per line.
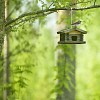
x,y
6,58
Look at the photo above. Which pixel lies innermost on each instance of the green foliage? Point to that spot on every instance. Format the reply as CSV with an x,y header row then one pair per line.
x,y
32,55
31,60
61,3
88,62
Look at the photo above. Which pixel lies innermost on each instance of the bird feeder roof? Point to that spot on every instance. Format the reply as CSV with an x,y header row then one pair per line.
x,y
67,31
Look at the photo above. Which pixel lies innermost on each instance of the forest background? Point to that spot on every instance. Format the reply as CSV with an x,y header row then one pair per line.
x,y
32,53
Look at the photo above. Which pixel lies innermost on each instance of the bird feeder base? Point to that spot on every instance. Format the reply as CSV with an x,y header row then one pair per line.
x,y
71,42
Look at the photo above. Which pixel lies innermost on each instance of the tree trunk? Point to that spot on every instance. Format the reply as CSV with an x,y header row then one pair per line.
x,y
2,31
66,70
2,23
66,65
6,68
6,58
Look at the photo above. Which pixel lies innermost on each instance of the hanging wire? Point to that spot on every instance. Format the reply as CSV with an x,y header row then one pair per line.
x,y
71,17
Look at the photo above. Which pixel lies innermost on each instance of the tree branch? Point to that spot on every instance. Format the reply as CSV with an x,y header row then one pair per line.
x,y
25,19
52,10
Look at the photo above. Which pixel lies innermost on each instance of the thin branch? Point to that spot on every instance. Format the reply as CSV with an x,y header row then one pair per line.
x,y
50,5
52,10
10,13
22,21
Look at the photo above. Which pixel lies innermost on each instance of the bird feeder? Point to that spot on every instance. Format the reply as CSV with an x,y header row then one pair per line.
x,y
72,36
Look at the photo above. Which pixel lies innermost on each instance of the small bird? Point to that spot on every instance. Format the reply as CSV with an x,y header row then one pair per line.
x,y
76,23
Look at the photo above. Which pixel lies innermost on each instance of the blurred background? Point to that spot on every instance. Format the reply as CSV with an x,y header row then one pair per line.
x,y
31,48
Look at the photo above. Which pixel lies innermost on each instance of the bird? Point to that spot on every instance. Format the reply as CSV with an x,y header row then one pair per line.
x,y
76,23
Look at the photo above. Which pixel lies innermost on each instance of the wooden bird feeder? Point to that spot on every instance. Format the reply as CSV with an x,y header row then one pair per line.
x,y
72,36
